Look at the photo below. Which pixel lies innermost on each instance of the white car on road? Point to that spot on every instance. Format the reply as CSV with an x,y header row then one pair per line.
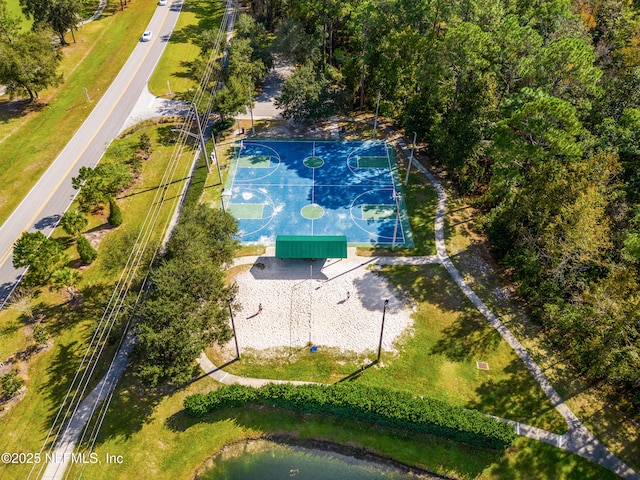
x,y
146,36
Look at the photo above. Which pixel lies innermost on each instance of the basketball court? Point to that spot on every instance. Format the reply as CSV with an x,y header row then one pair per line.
x,y
349,188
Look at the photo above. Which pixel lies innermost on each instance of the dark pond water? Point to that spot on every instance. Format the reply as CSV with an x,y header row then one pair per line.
x,y
265,460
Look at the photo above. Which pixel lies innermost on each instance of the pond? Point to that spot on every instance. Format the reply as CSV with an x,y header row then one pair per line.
x,y
269,460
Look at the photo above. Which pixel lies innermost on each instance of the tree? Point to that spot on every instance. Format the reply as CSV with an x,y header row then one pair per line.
x,y
115,214
87,253
231,99
9,24
145,146
42,255
295,44
186,309
65,277
59,15
73,222
307,95
98,185
242,65
566,69
204,233
28,64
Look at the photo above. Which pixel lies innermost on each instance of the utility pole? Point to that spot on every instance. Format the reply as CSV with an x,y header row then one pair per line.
x,y
202,142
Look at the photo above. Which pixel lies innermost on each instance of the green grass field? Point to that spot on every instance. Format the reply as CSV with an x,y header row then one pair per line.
x,y
93,62
13,8
25,426
171,76
155,437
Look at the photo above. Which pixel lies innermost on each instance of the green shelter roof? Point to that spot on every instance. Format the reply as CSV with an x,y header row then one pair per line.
x,y
311,246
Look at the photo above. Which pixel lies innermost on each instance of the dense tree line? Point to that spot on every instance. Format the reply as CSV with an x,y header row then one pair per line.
x,y
533,106
186,309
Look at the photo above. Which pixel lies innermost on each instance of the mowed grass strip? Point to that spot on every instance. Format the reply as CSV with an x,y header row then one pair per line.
x,y
31,139
50,373
171,76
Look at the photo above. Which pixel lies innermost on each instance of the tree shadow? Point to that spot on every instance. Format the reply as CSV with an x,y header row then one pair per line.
x,y
131,408
47,222
516,396
467,339
532,460
60,373
90,304
12,109
167,134
358,373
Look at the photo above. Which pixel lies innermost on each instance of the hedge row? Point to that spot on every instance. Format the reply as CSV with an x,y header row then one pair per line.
x,y
388,408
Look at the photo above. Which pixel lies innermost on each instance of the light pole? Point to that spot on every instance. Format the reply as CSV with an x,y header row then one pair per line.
x,y
375,122
253,130
225,193
395,228
384,311
233,325
413,146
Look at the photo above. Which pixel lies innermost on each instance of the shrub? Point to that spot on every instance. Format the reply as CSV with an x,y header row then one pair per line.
x,y
87,253
115,215
40,334
11,384
387,408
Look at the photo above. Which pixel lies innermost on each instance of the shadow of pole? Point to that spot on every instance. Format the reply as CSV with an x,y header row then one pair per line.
x,y
358,373
217,369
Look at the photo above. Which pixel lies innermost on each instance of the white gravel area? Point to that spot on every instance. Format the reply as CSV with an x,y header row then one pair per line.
x,y
305,302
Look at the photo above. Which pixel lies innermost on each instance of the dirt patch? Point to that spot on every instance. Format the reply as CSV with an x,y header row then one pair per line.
x,y
96,235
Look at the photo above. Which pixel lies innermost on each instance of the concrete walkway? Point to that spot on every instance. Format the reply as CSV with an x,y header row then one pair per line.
x,y
578,439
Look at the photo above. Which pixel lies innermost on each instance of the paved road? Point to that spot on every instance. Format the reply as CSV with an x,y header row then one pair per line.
x,y
263,107
43,206
65,444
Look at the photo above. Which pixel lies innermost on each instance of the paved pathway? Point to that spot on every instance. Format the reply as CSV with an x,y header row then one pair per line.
x,y
578,439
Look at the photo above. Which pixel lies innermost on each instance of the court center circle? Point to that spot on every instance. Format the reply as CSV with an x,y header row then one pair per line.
x,y
313,162
312,211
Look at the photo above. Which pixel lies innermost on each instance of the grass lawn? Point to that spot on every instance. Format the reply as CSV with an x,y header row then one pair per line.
x,y
11,333
13,9
50,372
93,62
173,69
438,360
156,438
602,413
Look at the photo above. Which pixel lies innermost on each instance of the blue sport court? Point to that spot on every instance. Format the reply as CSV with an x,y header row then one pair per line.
x,y
345,188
